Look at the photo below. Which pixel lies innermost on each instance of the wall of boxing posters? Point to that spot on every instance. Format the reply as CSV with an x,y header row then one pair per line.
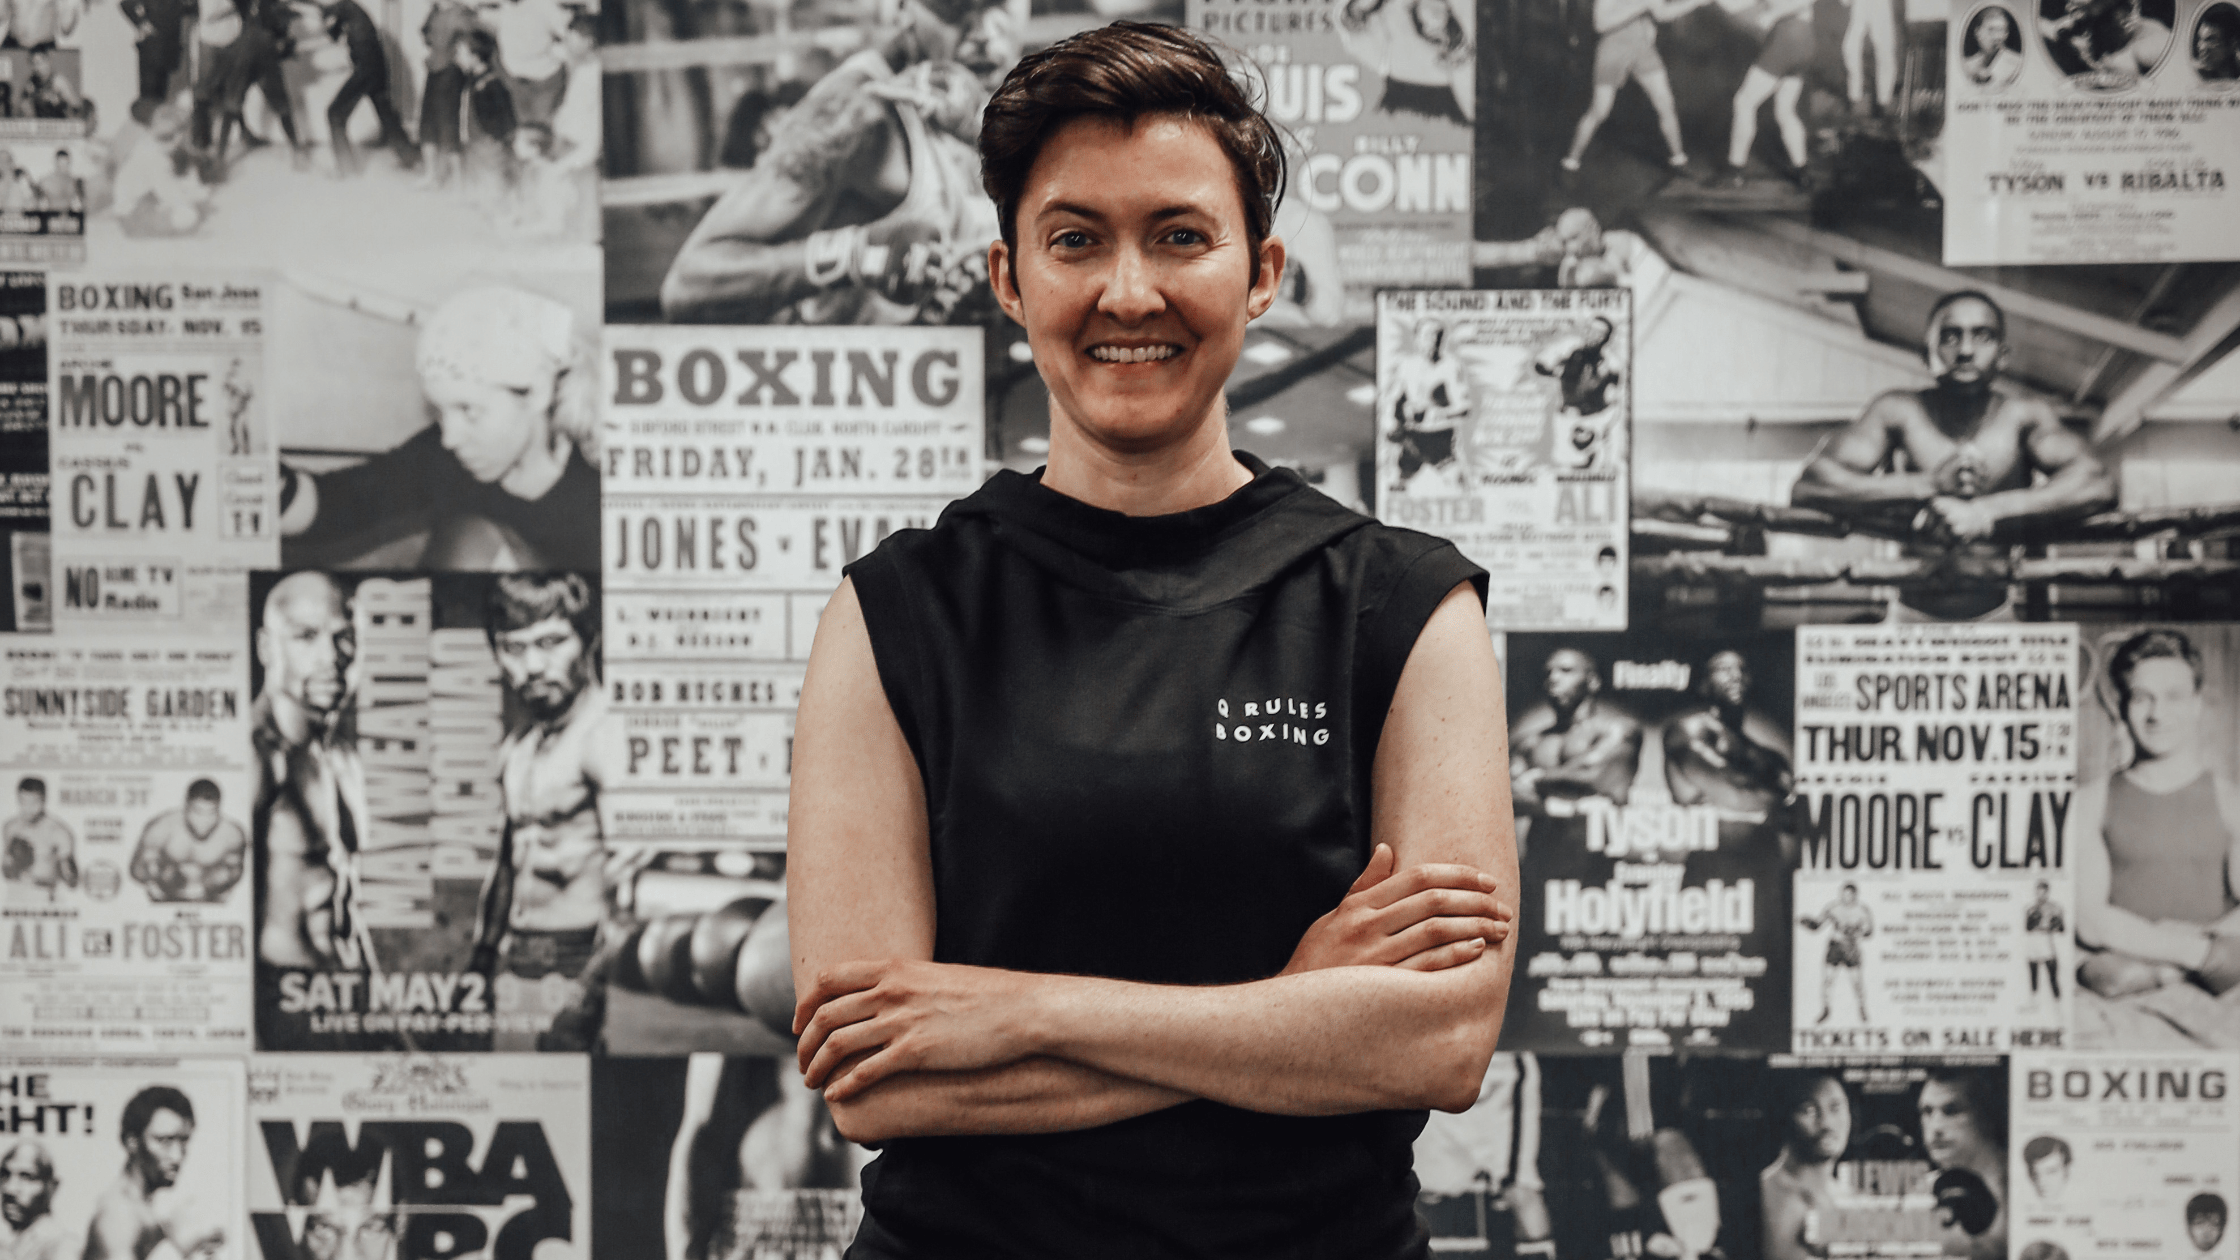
x,y
430,434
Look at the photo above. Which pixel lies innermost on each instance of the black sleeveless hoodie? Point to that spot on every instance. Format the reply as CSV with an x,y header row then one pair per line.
x,y
1146,745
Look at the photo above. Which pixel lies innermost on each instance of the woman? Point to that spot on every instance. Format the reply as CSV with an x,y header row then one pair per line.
x,y
1084,774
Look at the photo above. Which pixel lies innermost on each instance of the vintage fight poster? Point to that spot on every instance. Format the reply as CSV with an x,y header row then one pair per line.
x,y
2102,131
126,1156
725,1157
433,755
1937,768
164,489
1377,98
127,902
2157,835
419,1156
743,467
23,451
1652,785
1503,423
2137,1154
46,122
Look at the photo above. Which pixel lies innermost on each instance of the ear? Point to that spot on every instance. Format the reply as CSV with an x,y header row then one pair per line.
x,y
1005,282
1263,294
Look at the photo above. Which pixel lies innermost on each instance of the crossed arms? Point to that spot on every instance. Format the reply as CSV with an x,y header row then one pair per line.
x,y
1390,1001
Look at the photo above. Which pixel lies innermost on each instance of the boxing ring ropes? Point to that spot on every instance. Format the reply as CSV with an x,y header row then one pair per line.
x,y
1707,540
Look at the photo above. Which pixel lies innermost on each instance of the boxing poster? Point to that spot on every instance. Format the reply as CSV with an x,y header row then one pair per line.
x,y
23,450
46,161
127,901
1377,101
2101,131
2130,1153
164,491
468,1157
124,1156
718,1157
1937,770
2157,835
1652,784
1504,422
445,423
432,759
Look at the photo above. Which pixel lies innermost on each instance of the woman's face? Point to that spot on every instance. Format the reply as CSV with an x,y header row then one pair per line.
x,y
488,427
1992,29
1951,1131
1133,278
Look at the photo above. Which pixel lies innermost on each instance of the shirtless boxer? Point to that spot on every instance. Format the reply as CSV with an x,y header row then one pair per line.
x,y
1848,923
28,1229
1778,76
1426,397
1625,33
311,789
1573,748
543,903
157,1126
191,853
41,850
869,209
2117,44
1954,464
1708,757
1586,436
1799,1190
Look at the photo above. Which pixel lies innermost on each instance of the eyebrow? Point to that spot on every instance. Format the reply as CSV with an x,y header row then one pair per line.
x,y
1097,216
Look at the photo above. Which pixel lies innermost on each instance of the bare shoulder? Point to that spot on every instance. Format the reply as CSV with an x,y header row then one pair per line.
x,y
1896,409
2025,410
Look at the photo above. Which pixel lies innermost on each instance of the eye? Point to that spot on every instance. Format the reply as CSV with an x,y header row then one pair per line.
x,y
1187,236
1071,238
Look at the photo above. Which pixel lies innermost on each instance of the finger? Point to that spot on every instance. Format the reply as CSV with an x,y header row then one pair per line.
x,y
840,1012
885,1062
840,1046
835,981
1445,956
1437,932
1433,903
1376,872
1416,879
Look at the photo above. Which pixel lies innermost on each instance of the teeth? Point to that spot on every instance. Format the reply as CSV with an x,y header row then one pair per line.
x,y
1132,354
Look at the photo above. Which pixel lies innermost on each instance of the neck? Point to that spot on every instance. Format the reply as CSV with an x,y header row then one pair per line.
x,y
2173,771
1192,473
539,469
1805,1164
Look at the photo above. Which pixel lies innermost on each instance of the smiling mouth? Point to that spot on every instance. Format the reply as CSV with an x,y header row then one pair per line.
x,y
1133,354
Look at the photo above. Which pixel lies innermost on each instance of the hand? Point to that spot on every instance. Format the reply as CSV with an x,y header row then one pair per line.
x,y
1956,520
1426,918
864,1021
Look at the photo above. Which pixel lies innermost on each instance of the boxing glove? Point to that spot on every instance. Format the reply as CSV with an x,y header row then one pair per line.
x,y
900,259
1964,1200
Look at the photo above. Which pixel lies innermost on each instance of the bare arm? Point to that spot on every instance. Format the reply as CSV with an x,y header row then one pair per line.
x,y
1847,474
2076,484
2105,926
1684,739
1325,1042
1616,745
114,1232
1785,1212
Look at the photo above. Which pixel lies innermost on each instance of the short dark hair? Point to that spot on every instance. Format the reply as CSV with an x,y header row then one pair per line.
x,y
1957,296
2045,1144
1987,1102
203,790
145,1105
2221,17
31,783
2148,645
1793,1089
2205,1204
520,600
1124,71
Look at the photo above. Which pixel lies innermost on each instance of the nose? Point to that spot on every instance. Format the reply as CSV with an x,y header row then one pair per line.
x,y
1131,290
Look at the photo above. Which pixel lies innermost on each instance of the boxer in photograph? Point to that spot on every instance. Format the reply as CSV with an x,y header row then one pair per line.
x,y
1800,1186
1963,1114
42,852
311,787
1949,466
1428,396
28,1228
1626,48
1708,757
348,24
1848,923
191,853
869,209
2216,44
2205,1221
1778,76
1658,1197
2047,1158
2158,858
156,1130
1585,425
1876,22
1575,747
542,905
750,1124
2117,43
2043,926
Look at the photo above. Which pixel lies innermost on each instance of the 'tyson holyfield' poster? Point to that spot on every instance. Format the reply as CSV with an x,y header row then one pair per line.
x,y
2131,1154
1937,769
165,484
1377,99
1652,785
2092,131
420,1156
127,904
116,1157
1504,421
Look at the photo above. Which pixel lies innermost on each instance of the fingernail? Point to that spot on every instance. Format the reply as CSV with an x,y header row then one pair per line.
x,y
1488,882
1477,943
